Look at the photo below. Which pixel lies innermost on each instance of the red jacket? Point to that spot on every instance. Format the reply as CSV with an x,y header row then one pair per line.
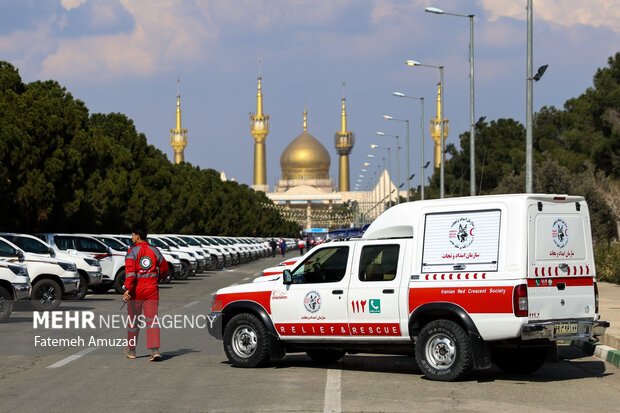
x,y
144,265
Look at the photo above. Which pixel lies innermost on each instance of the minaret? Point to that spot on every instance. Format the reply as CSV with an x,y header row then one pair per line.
x,y
436,130
344,141
259,127
178,135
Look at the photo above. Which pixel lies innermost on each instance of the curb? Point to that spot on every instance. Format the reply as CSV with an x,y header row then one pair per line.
x,y
600,351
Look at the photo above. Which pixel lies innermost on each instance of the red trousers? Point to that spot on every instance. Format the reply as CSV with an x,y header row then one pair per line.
x,y
135,308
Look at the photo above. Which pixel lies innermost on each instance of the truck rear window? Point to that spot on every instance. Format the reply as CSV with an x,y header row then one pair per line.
x,y
463,241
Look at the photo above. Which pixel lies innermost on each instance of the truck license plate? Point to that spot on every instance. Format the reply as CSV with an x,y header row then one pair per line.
x,y
565,329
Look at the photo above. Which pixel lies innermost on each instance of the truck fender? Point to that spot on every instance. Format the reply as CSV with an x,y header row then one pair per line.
x,y
276,346
442,310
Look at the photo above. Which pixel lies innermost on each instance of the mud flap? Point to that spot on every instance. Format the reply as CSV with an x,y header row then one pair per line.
x,y
481,352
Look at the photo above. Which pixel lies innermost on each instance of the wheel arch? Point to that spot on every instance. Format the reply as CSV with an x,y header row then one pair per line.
x,y
450,311
9,287
52,277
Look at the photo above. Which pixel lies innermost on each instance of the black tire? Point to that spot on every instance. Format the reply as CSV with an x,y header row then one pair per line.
x,y
46,295
184,272
81,291
165,280
443,351
520,360
101,288
119,281
246,342
325,356
6,304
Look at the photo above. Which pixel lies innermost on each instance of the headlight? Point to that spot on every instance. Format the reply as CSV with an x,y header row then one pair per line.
x,y
68,266
191,254
20,271
92,262
175,256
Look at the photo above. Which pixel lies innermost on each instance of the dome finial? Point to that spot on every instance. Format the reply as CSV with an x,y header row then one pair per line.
x,y
305,119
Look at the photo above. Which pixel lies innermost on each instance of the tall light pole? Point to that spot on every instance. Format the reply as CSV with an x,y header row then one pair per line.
x,y
389,168
402,95
529,102
388,117
472,125
397,163
441,118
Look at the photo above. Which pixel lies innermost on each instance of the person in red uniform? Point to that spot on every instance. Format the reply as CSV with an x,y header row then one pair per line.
x,y
144,265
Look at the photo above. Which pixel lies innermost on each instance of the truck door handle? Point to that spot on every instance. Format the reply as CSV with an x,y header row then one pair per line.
x,y
337,292
388,291
458,267
561,286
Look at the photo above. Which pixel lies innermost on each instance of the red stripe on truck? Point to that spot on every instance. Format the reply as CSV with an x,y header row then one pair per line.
x,y
472,299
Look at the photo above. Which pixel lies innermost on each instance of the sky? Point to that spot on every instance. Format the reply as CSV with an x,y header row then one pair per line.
x,y
125,55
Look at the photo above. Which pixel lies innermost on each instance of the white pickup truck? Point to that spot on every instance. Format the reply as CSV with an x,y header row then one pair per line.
x,y
456,282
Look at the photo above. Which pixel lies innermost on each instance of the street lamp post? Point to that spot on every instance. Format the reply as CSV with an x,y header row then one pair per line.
x,y
389,169
529,102
402,95
472,126
441,118
397,163
388,117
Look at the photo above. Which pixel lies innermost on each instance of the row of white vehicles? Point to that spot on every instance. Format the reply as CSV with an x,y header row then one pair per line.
x,y
48,267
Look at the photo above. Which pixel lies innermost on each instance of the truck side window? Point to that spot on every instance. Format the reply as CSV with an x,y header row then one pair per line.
x,y
378,262
85,244
327,265
64,243
6,250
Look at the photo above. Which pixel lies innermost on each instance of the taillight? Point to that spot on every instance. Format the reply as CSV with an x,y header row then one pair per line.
x,y
596,298
519,300
217,305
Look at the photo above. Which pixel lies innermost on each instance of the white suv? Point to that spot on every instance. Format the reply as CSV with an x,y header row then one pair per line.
x,y
14,285
51,278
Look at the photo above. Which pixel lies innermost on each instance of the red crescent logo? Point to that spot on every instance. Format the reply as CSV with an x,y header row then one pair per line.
x,y
471,232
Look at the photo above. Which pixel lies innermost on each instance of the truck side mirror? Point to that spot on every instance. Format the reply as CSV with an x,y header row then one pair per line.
x,y
20,254
287,277
50,251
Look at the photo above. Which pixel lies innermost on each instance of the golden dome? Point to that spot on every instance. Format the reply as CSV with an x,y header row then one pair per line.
x,y
305,158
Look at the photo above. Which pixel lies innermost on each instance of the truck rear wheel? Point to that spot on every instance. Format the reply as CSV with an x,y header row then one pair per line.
x,y
443,351
520,360
46,295
246,342
325,356
6,304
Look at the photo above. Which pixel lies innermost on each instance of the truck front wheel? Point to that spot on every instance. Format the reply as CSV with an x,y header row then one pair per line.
x,y
119,281
246,342
46,295
443,351
6,304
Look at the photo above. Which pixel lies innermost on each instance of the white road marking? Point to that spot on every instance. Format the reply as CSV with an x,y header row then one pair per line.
x,y
246,278
332,391
188,305
69,359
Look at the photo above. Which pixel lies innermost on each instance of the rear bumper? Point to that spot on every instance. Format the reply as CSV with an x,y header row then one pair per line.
x,y
580,330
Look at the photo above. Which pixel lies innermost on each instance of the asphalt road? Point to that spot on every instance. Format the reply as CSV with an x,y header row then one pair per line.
x,y
195,375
